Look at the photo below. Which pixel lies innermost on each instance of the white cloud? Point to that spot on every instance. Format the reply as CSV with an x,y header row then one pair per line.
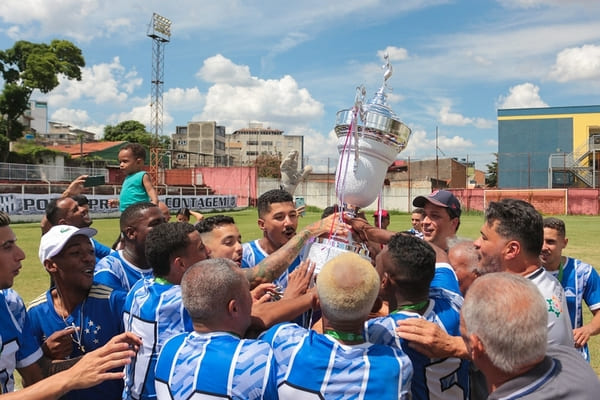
x,y
525,95
577,63
455,119
102,83
178,99
221,70
238,97
492,143
75,118
395,53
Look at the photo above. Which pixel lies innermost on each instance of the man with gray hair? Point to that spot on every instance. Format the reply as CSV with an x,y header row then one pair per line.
x,y
213,359
464,260
504,326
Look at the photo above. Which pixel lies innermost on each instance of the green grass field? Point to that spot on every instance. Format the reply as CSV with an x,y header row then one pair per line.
x,y
582,232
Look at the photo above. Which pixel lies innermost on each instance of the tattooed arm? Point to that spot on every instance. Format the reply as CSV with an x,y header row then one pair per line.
x,y
275,264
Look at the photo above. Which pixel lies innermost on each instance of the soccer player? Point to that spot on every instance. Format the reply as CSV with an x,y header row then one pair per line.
x,y
213,360
406,267
153,308
88,311
580,281
442,217
416,220
93,368
222,237
72,211
122,269
505,330
339,363
278,219
19,348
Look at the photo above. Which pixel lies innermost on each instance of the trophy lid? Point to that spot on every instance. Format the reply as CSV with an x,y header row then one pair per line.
x,y
377,120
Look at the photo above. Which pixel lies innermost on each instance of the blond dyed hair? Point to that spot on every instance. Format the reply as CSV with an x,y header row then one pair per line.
x,y
347,286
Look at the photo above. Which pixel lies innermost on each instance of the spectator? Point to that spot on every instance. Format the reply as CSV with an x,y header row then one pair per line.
x,y
137,186
381,219
184,215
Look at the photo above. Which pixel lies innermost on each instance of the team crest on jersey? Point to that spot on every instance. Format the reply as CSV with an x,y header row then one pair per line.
x,y
554,306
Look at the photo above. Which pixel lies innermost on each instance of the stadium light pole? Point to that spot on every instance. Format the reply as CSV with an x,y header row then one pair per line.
x,y
159,30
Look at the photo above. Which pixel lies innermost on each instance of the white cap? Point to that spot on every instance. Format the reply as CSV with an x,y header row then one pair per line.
x,y
55,239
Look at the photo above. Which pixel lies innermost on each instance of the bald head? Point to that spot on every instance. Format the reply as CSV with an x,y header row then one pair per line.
x,y
347,286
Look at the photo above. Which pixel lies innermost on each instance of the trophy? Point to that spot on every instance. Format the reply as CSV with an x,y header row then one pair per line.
x,y
370,136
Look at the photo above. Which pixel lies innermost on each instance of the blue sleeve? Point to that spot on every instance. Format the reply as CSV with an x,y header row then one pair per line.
x,y
591,293
101,250
445,278
108,278
117,305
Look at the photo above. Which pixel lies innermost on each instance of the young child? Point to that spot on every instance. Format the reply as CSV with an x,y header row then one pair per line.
x,y
137,186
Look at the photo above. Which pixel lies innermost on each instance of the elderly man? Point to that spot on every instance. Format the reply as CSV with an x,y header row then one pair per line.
x,y
213,359
504,326
75,304
339,363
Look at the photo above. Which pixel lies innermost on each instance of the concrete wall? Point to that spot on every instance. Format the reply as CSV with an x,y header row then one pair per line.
x,y
322,194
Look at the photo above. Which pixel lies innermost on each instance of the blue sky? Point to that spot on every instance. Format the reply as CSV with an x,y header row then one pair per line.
x,y
293,65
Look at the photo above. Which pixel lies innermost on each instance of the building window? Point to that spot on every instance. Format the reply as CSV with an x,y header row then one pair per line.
x,y
267,143
252,142
252,153
181,156
182,142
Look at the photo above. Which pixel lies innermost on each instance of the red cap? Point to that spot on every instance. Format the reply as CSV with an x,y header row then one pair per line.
x,y
384,214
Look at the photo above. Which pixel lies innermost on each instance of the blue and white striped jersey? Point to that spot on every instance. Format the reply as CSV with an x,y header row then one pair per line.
x,y
581,283
316,366
215,365
446,378
116,272
18,347
154,312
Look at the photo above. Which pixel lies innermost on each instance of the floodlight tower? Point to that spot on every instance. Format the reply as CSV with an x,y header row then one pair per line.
x,y
159,30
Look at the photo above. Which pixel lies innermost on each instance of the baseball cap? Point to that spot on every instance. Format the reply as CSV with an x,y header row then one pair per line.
x,y
55,239
442,198
384,213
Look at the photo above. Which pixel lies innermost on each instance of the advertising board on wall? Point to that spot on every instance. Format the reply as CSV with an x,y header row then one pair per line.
x,y
27,204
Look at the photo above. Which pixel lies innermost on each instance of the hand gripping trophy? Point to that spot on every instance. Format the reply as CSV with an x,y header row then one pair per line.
x,y
370,136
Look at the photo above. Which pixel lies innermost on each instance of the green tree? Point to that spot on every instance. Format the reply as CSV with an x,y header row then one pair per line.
x,y
29,66
491,176
134,131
